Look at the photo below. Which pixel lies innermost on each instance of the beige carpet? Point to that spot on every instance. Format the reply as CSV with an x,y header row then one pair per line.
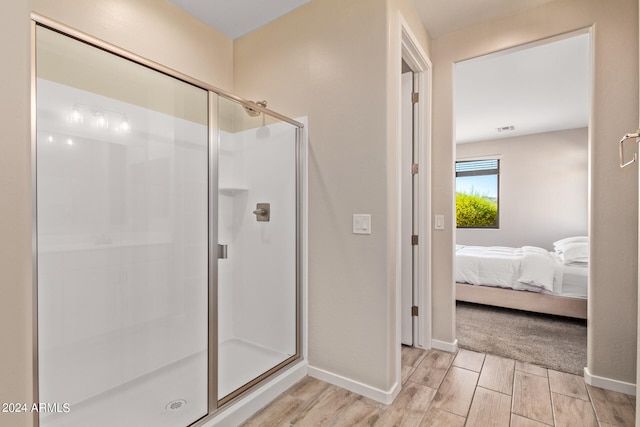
x,y
553,342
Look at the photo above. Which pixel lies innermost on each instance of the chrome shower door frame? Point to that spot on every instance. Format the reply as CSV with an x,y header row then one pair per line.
x,y
214,404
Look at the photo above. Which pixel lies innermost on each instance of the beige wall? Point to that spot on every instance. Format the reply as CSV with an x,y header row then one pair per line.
x,y
326,72
15,226
328,60
154,29
614,192
543,188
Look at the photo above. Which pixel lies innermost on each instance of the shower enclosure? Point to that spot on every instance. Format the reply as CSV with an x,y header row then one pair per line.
x,y
167,240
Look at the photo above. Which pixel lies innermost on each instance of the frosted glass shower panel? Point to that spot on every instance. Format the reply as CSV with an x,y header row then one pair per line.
x,y
257,317
122,196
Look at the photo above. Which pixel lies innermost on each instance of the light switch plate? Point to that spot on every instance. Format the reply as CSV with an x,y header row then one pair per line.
x,y
361,223
439,222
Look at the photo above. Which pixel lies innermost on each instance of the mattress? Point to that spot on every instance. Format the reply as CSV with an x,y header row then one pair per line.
x,y
527,268
574,281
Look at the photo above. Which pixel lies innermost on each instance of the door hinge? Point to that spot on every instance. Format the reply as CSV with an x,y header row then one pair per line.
x,y
414,239
414,311
415,97
414,169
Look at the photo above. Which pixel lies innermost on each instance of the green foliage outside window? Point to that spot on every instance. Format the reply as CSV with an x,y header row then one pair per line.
x,y
474,210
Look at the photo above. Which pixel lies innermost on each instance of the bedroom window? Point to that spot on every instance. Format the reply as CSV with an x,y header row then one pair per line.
x,y
477,184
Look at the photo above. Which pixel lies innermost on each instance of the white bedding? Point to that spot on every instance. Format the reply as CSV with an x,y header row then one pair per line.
x,y
526,268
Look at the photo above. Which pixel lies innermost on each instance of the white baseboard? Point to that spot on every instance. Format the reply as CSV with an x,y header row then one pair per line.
x,y
376,394
609,384
241,410
451,347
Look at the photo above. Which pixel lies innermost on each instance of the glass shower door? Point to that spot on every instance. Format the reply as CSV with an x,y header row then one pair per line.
x,y
257,230
122,240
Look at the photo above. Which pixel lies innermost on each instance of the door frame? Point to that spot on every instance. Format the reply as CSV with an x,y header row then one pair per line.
x,y
418,61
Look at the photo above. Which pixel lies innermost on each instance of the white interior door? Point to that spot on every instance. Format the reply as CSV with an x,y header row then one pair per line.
x,y
407,208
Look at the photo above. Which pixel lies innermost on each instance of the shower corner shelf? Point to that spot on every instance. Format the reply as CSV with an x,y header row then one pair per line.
x,y
231,191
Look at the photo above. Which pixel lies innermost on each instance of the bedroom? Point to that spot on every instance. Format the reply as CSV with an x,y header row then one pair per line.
x,y
522,134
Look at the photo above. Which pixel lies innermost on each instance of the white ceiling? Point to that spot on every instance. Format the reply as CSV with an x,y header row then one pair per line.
x,y
235,18
536,90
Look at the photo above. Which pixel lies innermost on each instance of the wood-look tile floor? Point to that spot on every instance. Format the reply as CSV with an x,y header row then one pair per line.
x,y
464,389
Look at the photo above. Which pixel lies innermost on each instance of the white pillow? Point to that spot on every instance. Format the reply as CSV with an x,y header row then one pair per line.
x,y
573,239
575,252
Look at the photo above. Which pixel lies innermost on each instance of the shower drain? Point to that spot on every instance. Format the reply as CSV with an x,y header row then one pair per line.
x,y
175,405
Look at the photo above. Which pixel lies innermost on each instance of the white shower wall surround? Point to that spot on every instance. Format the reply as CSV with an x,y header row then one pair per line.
x,y
253,171
127,298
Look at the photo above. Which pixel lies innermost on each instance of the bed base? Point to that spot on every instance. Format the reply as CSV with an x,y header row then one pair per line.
x,y
523,300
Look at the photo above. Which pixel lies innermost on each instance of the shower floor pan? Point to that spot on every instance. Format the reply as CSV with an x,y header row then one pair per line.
x,y
241,361
172,396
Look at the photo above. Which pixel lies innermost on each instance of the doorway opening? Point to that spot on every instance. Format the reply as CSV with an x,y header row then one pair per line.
x,y
522,143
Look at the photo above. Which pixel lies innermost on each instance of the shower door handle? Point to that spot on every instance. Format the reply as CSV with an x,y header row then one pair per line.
x,y
222,251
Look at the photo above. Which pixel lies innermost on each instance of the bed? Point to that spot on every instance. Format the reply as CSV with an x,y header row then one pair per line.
x,y
526,278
